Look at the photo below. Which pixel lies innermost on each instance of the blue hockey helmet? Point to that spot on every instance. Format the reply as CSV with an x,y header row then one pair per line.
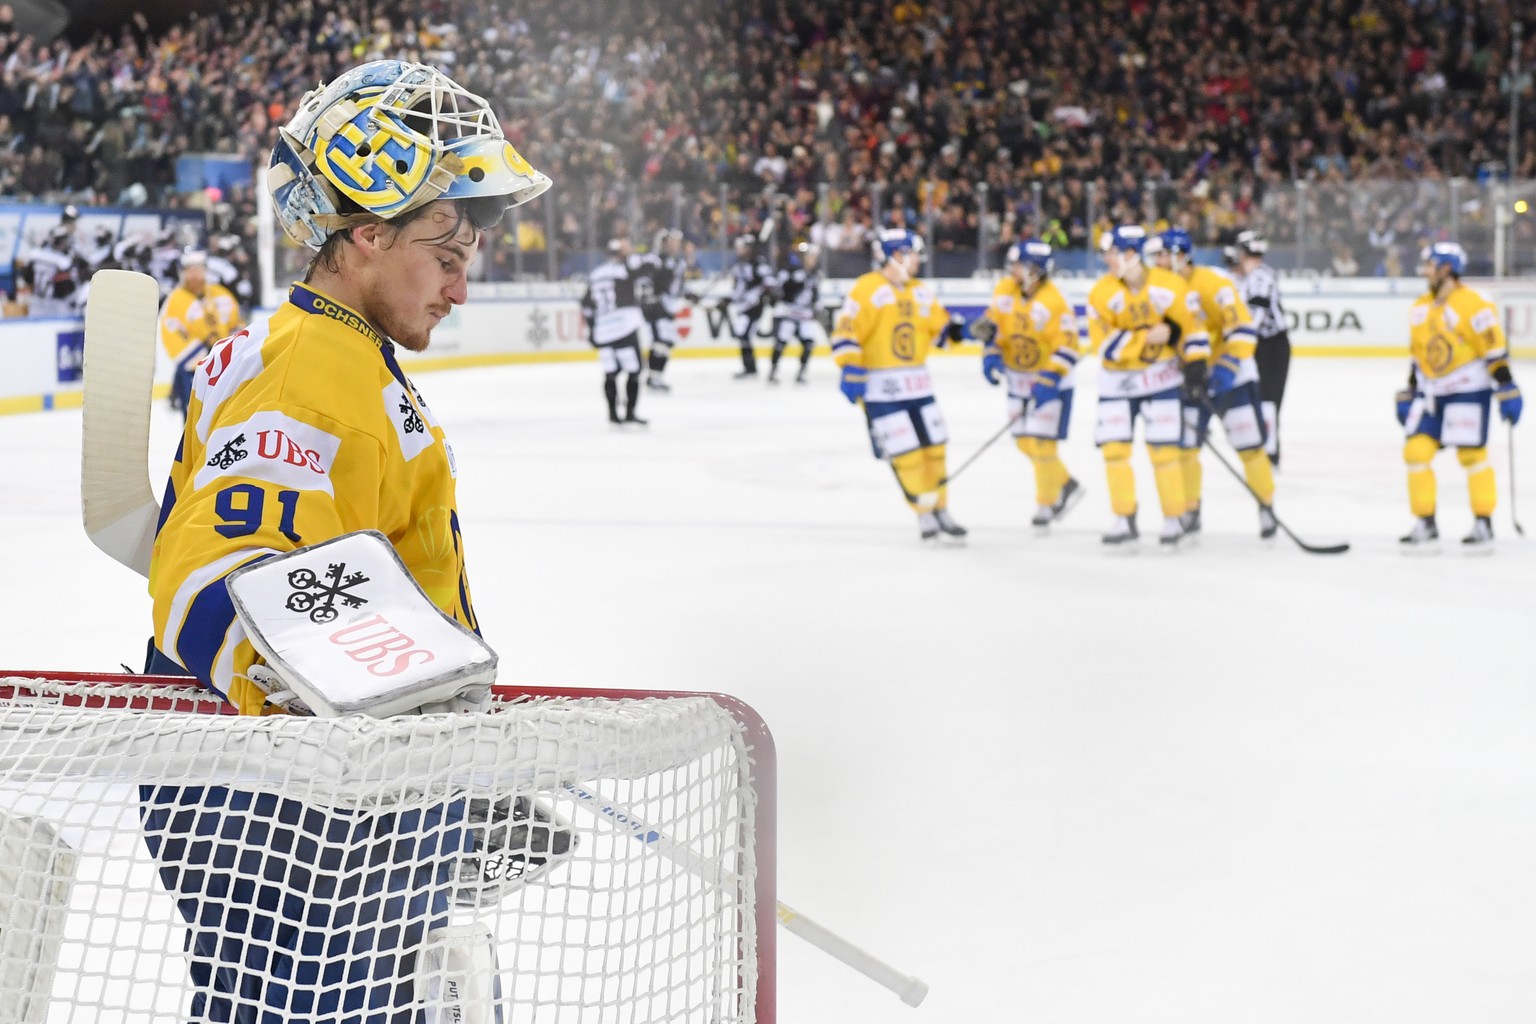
x,y
891,241
1177,240
1032,252
1445,254
1125,238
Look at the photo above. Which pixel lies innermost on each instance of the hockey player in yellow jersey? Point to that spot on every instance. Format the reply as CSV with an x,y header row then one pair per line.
x,y
1144,325
881,339
1226,382
196,314
1459,366
300,429
1030,339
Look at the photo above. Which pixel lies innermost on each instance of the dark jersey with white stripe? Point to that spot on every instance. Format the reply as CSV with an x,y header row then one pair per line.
x,y
610,304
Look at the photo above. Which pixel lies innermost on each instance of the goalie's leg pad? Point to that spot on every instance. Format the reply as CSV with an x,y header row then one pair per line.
x,y
300,912
458,979
37,873
515,840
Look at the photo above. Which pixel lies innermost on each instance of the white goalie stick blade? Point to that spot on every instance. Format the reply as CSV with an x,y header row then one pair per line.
x,y
116,501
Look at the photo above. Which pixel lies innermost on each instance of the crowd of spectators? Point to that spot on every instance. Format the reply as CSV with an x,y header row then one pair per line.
x,y
980,121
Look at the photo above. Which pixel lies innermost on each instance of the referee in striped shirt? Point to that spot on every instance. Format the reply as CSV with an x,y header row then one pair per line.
x,y
1261,291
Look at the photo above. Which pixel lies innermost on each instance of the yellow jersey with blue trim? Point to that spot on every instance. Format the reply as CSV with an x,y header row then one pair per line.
x,y
888,331
1120,317
300,428
192,321
1457,343
1034,332
1228,321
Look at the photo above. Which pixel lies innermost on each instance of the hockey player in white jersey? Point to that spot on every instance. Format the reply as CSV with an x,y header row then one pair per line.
x,y
611,309
796,290
55,273
750,278
666,267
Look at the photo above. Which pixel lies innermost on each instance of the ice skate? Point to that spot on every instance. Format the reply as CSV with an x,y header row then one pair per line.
x,y
952,531
928,528
1172,534
1423,539
1122,535
1480,540
1071,494
1268,524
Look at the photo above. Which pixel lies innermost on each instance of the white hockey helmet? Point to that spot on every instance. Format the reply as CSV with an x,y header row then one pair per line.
x,y
386,138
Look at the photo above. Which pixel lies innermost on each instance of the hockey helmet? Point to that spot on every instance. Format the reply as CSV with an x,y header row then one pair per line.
x,y
1251,243
1032,252
388,137
1177,240
1445,254
891,241
1125,238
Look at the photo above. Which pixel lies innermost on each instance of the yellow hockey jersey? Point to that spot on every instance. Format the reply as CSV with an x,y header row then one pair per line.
x,y
299,429
1458,343
189,322
1227,320
1119,318
881,326
1034,333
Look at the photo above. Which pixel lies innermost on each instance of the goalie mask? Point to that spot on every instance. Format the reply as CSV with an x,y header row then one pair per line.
x,y
386,138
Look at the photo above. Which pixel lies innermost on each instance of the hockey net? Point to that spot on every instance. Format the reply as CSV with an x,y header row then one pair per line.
x,y
580,857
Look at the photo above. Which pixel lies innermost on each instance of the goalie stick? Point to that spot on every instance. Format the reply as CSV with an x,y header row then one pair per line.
x,y
909,989
116,502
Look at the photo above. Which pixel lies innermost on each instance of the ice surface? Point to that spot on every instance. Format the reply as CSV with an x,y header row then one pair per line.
x,y
1238,784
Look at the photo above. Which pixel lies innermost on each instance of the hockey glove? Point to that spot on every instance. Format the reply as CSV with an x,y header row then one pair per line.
x,y
1195,374
1224,377
1047,387
1510,403
1404,403
992,367
984,330
955,331
854,381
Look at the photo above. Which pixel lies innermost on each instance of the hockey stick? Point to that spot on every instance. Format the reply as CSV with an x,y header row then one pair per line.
x,y
116,502
1311,549
1513,515
909,989
989,443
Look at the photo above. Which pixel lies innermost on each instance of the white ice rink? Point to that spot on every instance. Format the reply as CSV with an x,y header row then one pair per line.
x,y
1240,784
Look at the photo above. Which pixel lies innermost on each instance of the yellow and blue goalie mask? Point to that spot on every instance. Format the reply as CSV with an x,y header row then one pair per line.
x,y
388,137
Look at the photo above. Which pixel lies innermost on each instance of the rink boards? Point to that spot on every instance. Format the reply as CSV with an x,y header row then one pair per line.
x,y
40,360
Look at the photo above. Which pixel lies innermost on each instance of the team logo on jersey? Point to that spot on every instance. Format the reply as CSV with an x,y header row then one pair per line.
x,y
1439,351
1025,350
286,452
412,423
218,359
316,596
904,342
230,453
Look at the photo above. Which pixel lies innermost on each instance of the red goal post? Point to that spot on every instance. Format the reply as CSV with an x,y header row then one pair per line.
x,y
663,907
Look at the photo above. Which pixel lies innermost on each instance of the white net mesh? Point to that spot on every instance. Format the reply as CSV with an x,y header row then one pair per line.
x,y
160,861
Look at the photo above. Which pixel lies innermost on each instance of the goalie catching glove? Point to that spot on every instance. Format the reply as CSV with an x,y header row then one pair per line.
x,y
345,629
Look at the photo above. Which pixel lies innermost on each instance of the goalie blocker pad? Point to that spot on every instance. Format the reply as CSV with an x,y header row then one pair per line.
x,y
344,626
